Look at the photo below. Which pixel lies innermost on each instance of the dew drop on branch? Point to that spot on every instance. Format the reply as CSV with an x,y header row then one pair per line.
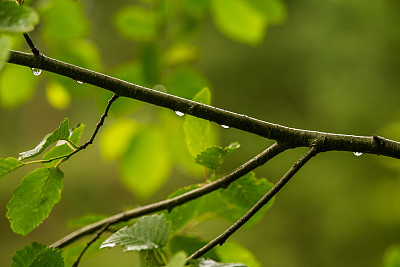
x,y
80,82
225,126
357,153
180,114
36,71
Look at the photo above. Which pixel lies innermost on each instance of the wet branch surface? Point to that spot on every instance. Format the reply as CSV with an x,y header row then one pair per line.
x,y
282,134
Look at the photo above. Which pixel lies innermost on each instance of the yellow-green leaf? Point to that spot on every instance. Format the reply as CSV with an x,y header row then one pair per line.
x,y
239,20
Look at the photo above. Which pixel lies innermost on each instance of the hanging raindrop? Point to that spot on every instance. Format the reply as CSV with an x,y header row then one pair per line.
x,y
357,153
80,82
180,114
225,126
36,71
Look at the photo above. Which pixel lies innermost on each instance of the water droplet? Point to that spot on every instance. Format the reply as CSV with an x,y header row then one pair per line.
x,y
36,71
357,153
80,82
225,126
180,114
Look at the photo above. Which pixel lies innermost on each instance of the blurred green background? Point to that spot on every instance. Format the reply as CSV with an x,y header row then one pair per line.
x,y
329,66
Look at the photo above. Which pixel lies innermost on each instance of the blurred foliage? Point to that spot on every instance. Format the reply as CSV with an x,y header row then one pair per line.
x,y
332,66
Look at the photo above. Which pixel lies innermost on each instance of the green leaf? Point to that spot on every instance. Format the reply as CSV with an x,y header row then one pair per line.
x,y
146,165
16,18
274,10
189,244
8,165
181,215
229,204
239,20
210,263
17,85
136,23
61,133
27,255
63,22
57,95
50,257
76,134
34,198
5,44
180,54
115,139
197,131
148,233
63,148
213,157
242,195
185,82
178,260
391,256
234,252
37,255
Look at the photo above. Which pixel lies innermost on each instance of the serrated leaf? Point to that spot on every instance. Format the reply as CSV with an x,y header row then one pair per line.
x,y
242,195
147,164
8,165
197,131
16,18
229,204
211,263
37,255
148,233
62,133
34,198
26,256
5,44
239,20
213,157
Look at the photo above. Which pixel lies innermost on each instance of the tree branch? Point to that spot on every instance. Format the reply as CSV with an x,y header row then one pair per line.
x,y
263,201
169,204
290,136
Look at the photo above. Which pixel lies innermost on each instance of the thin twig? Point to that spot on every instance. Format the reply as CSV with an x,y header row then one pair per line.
x,y
91,241
169,204
100,123
31,45
291,136
263,201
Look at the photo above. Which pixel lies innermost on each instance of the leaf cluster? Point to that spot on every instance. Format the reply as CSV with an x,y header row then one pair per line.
x,y
163,32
